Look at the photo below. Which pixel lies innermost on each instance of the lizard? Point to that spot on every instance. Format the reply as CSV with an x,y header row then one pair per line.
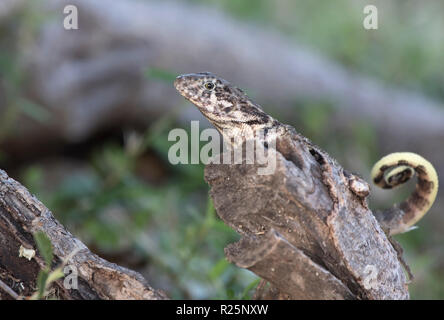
x,y
234,115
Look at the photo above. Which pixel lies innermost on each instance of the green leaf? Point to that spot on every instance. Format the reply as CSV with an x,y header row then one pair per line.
x,y
45,247
34,111
210,215
41,283
33,178
54,276
218,269
252,285
230,294
161,75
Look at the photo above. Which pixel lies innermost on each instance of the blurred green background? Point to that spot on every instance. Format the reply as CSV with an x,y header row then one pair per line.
x,y
117,192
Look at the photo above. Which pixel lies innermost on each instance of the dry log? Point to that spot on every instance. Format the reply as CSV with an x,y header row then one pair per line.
x,y
305,229
21,215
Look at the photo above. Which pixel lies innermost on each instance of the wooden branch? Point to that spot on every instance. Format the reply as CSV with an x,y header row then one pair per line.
x,y
263,255
9,7
21,215
306,228
8,290
135,35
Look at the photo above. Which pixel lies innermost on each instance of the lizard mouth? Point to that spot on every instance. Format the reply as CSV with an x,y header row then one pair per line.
x,y
182,85
178,83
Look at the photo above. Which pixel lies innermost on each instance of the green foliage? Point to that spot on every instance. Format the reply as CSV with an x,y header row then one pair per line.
x,y
13,101
45,277
33,110
314,117
160,75
44,246
42,278
246,295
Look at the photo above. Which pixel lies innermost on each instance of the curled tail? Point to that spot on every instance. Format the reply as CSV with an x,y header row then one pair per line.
x,y
396,169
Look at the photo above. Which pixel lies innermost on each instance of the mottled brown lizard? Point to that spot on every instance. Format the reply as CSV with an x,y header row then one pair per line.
x,y
238,118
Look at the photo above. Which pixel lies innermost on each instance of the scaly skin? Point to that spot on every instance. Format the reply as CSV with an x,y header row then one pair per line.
x,y
231,111
227,107
397,168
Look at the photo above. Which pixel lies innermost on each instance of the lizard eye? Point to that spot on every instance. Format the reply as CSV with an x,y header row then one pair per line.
x,y
209,85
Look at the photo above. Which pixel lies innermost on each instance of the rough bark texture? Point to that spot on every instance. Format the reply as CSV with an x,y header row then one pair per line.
x,y
21,215
305,229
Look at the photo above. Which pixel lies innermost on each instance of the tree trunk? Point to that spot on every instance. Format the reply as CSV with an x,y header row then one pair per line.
x,y
306,228
22,215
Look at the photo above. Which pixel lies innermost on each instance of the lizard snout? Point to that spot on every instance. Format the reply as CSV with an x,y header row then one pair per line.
x,y
178,82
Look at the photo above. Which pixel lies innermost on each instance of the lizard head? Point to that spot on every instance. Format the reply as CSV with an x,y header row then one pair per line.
x,y
225,105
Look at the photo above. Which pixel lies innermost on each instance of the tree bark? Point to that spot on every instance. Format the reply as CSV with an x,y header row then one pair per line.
x,y
306,228
21,215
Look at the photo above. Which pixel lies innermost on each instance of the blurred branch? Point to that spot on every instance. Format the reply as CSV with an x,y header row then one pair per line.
x,y
169,36
22,215
97,76
9,7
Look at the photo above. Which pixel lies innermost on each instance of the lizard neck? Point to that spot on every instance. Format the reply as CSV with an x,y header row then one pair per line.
x,y
236,133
